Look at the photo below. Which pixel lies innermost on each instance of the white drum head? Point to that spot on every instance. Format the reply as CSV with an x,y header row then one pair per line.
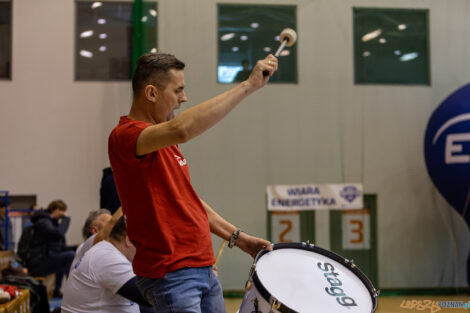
x,y
306,281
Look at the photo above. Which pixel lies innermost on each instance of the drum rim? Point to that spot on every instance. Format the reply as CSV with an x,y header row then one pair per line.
x,y
310,247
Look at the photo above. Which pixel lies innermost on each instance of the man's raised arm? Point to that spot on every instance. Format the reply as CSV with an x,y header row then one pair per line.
x,y
199,118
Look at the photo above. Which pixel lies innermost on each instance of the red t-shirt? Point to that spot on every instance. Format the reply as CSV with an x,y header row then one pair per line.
x,y
166,221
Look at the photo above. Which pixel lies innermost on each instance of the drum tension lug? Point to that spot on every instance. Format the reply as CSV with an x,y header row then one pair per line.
x,y
376,293
252,270
307,243
350,263
275,305
248,285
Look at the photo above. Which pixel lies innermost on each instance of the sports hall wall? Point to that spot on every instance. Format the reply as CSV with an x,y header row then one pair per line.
x,y
324,129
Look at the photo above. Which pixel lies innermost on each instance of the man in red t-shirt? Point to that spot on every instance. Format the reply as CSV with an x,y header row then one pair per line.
x,y
166,220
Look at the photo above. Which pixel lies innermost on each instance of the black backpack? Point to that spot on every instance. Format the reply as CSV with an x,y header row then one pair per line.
x,y
38,292
24,245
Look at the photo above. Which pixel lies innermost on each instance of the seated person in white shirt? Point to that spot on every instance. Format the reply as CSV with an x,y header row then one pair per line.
x,y
95,222
102,281
97,227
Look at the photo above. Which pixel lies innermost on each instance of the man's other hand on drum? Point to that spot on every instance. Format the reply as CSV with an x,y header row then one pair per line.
x,y
252,245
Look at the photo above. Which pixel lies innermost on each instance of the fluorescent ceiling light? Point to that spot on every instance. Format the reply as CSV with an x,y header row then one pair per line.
x,y
409,56
227,37
374,34
101,21
254,25
86,33
86,54
96,4
153,12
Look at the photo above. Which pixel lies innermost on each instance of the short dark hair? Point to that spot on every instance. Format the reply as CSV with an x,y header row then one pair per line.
x,y
119,231
153,68
56,205
92,216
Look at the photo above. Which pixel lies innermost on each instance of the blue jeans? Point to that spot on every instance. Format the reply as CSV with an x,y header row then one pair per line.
x,y
187,290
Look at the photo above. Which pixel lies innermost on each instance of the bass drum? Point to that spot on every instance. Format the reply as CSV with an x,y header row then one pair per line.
x,y
300,277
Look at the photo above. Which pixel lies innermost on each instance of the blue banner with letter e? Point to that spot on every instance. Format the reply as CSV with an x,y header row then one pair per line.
x,y
447,152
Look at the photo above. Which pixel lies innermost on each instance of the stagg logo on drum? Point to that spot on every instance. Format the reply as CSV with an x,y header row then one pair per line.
x,y
335,288
350,193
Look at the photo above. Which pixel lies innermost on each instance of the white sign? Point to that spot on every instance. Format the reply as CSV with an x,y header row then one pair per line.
x,y
356,230
314,197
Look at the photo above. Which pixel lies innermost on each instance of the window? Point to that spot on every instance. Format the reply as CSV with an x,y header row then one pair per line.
x,y
5,39
105,42
391,46
248,33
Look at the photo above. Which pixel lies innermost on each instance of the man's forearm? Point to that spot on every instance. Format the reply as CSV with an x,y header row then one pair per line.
x,y
104,233
218,225
191,122
203,116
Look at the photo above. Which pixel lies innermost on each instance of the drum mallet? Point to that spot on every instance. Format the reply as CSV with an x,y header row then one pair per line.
x,y
222,246
288,37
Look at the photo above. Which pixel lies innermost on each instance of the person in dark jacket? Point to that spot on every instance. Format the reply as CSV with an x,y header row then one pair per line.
x,y
49,253
3,227
109,198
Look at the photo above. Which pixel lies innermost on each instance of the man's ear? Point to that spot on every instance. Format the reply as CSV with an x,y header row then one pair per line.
x,y
94,229
150,93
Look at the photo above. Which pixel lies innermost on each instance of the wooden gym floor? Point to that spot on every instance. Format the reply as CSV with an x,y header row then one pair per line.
x,y
389,304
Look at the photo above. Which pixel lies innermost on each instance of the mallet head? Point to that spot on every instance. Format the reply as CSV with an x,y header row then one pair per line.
x,y
290,35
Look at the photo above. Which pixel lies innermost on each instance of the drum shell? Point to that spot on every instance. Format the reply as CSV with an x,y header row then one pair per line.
x,y
248,305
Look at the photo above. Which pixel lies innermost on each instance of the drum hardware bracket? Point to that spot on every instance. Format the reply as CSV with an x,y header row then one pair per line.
x,y
310,245
252,270
376,293
248,285
350,263
249,282
275,305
